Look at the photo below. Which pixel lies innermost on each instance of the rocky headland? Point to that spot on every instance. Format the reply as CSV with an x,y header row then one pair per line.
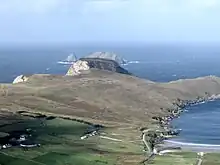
x,y
96,89
86,64
100,91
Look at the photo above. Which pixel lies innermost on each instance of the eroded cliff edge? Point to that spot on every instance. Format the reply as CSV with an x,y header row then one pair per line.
x,y
104,97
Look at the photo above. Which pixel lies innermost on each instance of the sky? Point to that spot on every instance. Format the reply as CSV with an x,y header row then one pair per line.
x,y
70,21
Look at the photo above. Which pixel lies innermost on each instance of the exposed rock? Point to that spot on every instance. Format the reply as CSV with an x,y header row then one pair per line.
x,y
20,79
77,67
108,56
105,64
85,64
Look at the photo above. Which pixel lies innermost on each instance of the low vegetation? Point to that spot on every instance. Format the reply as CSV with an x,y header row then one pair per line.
x,y
61,144
121,103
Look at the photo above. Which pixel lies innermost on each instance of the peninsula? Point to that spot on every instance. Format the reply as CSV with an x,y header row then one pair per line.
x,y
121,103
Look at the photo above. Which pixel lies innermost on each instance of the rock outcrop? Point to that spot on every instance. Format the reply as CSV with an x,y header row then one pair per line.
x,y
85,64
108,56
77,67
20,79
105,64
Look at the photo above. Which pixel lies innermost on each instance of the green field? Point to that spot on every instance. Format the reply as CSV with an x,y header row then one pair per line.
x,y
61,145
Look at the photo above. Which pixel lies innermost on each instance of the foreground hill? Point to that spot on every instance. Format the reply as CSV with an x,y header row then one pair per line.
x,y
121,102
102,96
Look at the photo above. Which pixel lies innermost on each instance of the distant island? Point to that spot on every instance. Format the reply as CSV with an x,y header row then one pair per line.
x,y
108,56
98,55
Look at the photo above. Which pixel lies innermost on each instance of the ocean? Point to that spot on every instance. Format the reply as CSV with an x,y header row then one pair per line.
x,y
160,63
200,124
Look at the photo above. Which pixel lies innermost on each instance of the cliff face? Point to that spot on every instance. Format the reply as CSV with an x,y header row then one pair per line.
x,y
20,79
85,64
105,64
77,68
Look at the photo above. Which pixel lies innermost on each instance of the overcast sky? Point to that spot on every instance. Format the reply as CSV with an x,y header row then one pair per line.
x,y
62,21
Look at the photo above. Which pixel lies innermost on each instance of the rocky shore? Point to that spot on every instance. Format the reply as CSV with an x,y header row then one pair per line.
x,y
153,139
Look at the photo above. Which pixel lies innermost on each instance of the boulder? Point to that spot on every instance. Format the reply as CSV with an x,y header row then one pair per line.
x,y
20,79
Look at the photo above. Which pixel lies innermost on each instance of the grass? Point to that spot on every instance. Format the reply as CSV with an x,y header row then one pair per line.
x,y
212,159
186,158
177,158
61,145
82,159
6,159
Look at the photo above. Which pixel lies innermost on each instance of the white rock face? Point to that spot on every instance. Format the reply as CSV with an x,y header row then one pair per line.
x,y
77,67
20,79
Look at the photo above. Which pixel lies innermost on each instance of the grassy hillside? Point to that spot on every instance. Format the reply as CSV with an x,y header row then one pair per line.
x,y
121,103
61,144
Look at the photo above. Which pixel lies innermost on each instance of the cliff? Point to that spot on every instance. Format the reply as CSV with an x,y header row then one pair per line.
x,y
77,68
105,64
86,64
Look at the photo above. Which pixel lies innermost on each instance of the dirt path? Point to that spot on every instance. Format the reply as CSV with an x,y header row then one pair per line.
x,y
105,137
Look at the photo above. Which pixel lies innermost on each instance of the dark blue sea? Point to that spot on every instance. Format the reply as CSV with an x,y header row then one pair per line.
x,y
161,63
200,124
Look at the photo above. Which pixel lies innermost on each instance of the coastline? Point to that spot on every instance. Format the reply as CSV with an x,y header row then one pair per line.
x,y
185,146
193,147
128,103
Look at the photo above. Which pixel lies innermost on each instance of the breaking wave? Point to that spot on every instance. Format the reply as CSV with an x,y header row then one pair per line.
x,y
192,144
151,62
134,62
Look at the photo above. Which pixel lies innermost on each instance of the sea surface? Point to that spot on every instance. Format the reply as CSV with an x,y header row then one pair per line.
x,y
161,63
200,124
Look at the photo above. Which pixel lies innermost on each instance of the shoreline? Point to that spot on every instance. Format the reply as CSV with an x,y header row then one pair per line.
x,y
169,99
186,146
193,147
